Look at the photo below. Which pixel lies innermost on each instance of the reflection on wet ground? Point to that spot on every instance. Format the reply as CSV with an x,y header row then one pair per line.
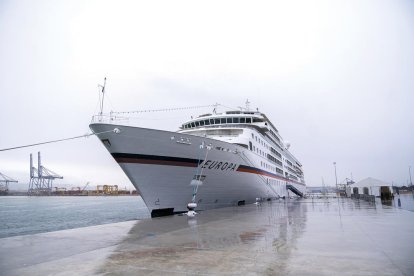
x,y
338,236
404,201
295,237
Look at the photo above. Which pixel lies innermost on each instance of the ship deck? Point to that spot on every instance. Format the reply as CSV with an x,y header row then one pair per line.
x,y
295,237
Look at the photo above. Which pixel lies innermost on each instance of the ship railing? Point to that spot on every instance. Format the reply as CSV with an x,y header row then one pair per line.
x,y
109,119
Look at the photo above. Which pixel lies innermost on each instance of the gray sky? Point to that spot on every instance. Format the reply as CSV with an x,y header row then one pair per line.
x,y
335,77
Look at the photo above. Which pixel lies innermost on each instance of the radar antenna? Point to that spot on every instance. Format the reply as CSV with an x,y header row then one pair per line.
x,y
247,105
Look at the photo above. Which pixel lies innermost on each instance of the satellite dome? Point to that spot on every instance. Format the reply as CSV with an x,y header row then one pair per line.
x,y
287,144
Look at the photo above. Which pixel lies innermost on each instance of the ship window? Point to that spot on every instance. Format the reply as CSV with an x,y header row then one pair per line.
x,y
211,121
236,120
252,136
192,124
248,120
250,145
242,120
197,123
206,122
201,123
223,120
217,121
229,120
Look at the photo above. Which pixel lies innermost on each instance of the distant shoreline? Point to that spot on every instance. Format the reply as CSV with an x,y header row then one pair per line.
x,y
405,192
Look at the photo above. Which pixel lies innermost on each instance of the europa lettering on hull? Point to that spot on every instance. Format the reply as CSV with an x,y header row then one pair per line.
x,y
219,165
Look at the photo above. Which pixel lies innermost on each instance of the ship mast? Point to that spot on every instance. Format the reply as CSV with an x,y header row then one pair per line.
x,y
103,96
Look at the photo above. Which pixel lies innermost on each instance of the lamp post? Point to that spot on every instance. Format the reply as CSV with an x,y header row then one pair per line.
x,y
336,178
409,171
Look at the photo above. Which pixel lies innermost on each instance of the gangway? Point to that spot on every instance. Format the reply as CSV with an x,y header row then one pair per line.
x,y
294,190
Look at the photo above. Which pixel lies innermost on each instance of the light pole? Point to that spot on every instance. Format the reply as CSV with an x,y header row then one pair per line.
x,y
409,171
336,178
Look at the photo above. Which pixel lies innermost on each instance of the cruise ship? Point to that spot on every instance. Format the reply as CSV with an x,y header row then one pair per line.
x,y
215,160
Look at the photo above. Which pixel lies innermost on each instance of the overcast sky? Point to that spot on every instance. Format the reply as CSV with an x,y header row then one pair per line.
x,y
335,77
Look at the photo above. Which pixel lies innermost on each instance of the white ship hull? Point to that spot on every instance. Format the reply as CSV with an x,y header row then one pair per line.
x,y
161,165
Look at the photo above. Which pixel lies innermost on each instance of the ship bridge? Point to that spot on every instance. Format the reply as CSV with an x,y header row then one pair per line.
x,y
232,124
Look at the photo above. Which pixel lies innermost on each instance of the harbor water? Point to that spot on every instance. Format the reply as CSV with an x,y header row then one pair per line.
x,y
23,215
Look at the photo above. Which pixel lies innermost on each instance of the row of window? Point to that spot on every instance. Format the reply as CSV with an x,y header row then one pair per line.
x,y
274,135
291,176
269,156
275,152
290,169
257,149
217,121
273,159
298,170
260,141
269,167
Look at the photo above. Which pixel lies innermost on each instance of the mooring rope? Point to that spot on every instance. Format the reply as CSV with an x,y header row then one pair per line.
x,y
59,140
117,112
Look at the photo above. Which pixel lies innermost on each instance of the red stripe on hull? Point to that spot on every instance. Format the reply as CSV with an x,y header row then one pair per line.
x,y
154,162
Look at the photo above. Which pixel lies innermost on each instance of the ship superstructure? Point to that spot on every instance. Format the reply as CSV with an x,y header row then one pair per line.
x,y
252,131
234,158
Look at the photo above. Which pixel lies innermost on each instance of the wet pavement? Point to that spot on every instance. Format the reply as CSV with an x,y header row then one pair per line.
x,y
292,237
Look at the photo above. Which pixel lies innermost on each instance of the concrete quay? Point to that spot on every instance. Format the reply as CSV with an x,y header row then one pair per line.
x,y
287,237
